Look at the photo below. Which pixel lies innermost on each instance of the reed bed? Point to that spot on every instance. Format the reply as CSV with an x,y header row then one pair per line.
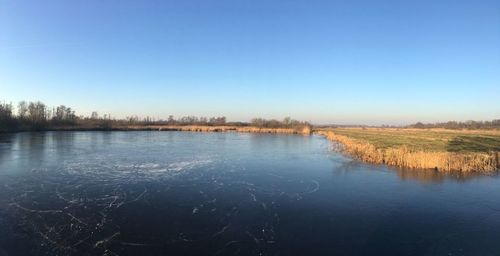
x,y
403,156
247,129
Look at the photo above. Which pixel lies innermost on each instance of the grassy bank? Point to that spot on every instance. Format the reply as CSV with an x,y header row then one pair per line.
x,y
440,149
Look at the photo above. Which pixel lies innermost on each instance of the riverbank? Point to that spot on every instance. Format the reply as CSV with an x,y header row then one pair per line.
x,y
439,149
444,150
247,129
306,130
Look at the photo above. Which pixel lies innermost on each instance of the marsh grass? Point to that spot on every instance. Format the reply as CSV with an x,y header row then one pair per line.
x,y
306,130
466,151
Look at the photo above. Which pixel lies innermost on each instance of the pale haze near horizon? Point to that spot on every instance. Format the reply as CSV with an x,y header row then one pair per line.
x,y
343,62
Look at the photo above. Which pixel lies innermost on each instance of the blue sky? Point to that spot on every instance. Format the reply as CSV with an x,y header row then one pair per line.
x,y
366,62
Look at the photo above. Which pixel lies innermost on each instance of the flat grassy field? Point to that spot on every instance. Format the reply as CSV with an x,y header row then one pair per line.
x,y
430,140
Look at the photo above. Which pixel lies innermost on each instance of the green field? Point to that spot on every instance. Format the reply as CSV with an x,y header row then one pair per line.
x,y
437,140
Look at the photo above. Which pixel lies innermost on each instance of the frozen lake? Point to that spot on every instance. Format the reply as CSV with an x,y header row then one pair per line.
x,y
182,193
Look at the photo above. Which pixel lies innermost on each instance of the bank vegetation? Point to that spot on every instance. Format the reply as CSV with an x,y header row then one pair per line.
x,y
442,150
37,116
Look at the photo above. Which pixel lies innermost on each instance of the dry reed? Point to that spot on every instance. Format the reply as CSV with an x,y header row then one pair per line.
x,y
404,157
247,129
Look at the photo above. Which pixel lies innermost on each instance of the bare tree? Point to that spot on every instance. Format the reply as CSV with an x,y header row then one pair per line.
x,y
22,109
171,120
37,112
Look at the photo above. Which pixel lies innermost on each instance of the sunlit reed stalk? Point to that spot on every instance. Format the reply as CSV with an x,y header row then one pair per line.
x,y
402,156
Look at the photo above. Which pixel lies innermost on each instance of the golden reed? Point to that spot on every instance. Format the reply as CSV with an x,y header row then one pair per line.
x,y
404,157
247,129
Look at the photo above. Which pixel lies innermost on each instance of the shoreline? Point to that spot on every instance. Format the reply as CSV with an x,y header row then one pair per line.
x,y
188,128
402,157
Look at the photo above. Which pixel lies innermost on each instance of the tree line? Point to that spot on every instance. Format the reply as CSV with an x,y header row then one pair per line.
x,y
37,115
287,122
27,116
184,120
493,124
34,116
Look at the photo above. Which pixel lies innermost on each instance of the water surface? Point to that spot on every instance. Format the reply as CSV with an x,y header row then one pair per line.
x,y
175,193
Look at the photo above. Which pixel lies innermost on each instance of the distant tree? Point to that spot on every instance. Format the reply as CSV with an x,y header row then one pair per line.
x,y
494,124
287,121
273,123
70,115
220,120
63,115
22,109
60,113
148,120
257,122
217,120
37,114
94,116
171,120
7,121
5,111
130,119
419,125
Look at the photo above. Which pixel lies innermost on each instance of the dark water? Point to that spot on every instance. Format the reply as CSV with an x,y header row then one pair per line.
x,y
171,193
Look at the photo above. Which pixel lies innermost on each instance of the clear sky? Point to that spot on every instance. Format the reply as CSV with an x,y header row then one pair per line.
x,y
349,61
